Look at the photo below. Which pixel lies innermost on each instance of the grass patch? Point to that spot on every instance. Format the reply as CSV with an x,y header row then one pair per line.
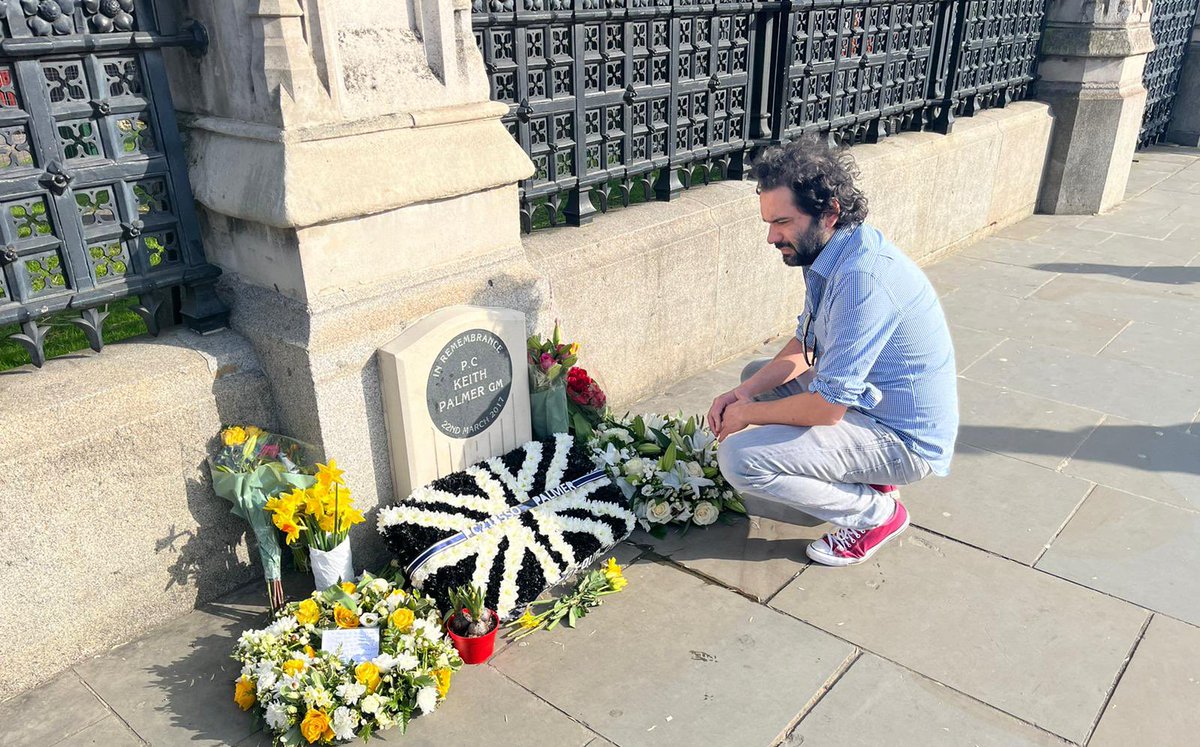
x,y
64,337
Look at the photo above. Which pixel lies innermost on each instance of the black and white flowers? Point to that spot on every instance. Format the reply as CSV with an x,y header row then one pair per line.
x,y
496,529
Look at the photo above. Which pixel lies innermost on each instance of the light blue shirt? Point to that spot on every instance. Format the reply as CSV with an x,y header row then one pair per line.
x,y
881,341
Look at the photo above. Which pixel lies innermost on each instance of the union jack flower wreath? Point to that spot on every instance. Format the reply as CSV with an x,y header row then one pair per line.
x,y
512,525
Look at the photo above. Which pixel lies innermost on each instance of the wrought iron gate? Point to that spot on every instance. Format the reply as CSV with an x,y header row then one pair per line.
x,y
95,203
1171,25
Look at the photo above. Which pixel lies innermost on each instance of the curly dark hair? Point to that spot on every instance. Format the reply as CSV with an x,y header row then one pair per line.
x,y
817,175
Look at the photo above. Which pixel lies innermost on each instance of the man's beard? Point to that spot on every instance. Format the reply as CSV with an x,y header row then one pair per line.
x,y
806,247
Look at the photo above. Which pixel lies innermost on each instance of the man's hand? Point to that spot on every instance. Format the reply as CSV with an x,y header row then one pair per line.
x,y
736,417
717,411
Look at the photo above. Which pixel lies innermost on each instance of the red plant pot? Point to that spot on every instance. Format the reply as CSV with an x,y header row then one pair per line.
x,y
475,650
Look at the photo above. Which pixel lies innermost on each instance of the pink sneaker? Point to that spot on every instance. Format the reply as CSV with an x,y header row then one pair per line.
x,y
853,546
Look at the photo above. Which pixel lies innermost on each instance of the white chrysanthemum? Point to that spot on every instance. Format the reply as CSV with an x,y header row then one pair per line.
x,y
285,624
427,699
406,662
350,692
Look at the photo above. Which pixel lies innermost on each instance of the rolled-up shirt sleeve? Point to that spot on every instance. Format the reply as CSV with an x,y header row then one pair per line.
x,y
862,317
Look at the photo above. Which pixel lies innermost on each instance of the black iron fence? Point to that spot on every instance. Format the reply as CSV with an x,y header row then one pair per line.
x,y
620,100
95,204
1171,25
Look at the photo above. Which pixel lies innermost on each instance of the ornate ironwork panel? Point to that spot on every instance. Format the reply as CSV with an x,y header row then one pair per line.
x,y
94,199
1171,25
855,69
994,53
609,97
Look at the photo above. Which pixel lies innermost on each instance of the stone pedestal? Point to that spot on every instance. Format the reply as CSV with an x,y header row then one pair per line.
x,y
1185,122
362,181
1091,75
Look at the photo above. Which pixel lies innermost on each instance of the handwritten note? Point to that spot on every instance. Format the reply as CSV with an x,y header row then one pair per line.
x,y
353,644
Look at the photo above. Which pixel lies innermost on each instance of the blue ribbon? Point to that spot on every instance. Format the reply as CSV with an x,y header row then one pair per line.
x,y
509,513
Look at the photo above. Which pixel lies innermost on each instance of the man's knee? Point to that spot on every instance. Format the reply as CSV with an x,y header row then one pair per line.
x,y
735,458
753,367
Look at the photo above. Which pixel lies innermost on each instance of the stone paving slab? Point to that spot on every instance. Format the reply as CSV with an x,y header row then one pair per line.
x,y
878,703
483,701
48,714
175,685
673,660
1039,648
1163,675
1012,251
976,274
1002,505
1158,463
1124,301
107,732
1030,428
971,344
1116,387
756,556
1159,347
1135,549
1032,319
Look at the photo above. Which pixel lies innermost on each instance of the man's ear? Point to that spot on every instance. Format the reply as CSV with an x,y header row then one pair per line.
x,y
835,211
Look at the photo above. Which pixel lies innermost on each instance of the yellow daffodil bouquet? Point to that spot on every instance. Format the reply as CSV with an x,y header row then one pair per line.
x,y
319,516
311,691
249,467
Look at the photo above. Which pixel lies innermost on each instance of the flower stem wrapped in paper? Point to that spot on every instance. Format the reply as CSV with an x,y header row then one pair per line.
x,y
248,470
549,362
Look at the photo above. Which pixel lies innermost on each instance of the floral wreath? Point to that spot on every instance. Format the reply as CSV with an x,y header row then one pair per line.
x,y
310,696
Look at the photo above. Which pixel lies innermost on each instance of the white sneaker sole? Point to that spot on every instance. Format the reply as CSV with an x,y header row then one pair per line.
x,y
839,562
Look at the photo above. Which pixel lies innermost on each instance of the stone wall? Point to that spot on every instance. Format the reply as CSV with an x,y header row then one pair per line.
x,y
659,291
110,523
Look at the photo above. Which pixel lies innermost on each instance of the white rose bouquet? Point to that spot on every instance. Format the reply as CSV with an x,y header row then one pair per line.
x,y
667,468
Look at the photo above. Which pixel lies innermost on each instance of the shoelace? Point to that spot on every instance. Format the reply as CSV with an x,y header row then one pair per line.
x,y
843,538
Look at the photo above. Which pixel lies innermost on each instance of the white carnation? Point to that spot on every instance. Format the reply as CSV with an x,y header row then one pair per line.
x,y
276,715
343,724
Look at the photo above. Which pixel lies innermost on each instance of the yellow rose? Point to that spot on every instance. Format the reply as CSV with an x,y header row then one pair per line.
x,y
348,587
309,650
344,617
367,674
443,681
402,619
316,726
253,431
234,436
308,612
293,666
243,693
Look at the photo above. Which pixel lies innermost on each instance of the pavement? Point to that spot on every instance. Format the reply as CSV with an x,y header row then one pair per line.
x,y
1048,592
